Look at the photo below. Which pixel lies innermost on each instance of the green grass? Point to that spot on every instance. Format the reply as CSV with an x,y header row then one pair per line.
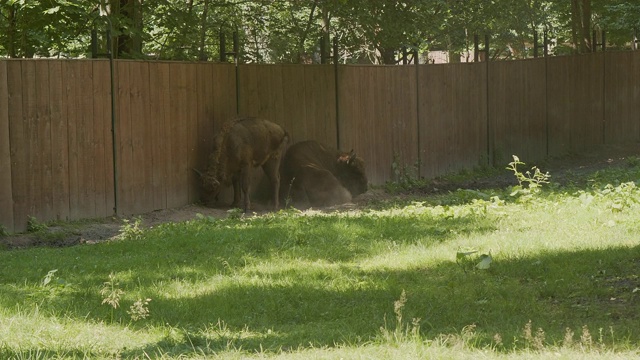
x,y
382,283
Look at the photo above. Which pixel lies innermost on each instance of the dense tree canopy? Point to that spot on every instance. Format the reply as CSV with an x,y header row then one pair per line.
x,y
301,30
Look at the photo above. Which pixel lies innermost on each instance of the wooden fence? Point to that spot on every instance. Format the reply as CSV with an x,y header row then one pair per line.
x,y
56,144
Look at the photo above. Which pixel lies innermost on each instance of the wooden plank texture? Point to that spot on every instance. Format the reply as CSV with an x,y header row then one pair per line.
x,y
377,117
6,192
18,145
103,146
517,110
622,118
160,98
575,102
177,190
43,203
453,118
125,160
59,139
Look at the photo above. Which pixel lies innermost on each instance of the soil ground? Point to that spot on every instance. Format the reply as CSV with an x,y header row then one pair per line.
x,y
562,170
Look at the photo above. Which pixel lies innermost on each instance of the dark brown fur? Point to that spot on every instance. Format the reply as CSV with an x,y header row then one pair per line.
x,y
317,175
241,145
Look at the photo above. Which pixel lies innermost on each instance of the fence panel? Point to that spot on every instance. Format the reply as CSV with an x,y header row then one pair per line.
x,y
453,117
299,97
575,106
166,119
622,96
377,117
6,192
517,110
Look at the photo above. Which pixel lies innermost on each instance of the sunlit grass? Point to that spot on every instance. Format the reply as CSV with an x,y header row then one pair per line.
x,y
383,283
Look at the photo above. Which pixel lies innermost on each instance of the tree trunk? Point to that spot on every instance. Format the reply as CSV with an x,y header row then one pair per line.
x,y
202,56
11,36
326,41
129,42
303,38
581,25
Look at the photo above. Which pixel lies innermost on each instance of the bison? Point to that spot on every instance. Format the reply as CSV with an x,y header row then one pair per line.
x,y
313,174
242,144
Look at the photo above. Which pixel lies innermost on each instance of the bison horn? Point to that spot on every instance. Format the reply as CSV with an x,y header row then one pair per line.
x,y
352,156
197,172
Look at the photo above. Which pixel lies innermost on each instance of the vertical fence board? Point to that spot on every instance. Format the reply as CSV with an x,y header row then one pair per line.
x,y
86,141
294,107
205,121
72,80
103,144
18,140
517,110
224,93
191,116
178,192
140,142
319,122
32,136
43,204
126,190
160,98
248,101
59,139
622,123
6,191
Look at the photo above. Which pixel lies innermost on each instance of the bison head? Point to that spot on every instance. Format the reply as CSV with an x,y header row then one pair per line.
x,y
351,173
211,186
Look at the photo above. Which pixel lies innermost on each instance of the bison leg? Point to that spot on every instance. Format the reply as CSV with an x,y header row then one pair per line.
x,y
236,180
271,170
245,179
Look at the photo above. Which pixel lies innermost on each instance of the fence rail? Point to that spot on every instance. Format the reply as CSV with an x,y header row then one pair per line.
x,y
56,152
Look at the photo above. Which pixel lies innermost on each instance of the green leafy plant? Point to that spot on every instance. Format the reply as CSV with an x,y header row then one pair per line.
x,y
131,231
235,213
33,225
111,293
139,310
530,182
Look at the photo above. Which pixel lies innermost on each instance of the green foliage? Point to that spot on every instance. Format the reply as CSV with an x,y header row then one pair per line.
x,y
529,183
34,226
290,31
131,231
375,283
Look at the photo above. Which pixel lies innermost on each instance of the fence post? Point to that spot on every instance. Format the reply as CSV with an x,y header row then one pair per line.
x,y
114,142
336,58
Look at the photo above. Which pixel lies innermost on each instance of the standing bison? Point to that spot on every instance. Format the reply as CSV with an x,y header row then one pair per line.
x,y
242,144
316,175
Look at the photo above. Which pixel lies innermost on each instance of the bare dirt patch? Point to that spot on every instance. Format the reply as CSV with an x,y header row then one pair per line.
x,y
563,170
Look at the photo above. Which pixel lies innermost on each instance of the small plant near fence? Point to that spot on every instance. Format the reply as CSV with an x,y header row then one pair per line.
x,y
529,183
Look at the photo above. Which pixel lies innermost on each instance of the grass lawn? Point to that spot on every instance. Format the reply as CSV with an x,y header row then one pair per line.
x,y
539,271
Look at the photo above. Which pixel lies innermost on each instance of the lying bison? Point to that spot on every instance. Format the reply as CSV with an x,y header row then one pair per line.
x,y
316,175
241,145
